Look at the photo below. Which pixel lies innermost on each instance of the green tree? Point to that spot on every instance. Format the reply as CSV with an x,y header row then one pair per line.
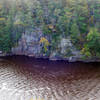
x,y
92,45
75,33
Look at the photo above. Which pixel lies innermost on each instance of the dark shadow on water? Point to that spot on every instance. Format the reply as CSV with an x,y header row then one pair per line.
x,y
47,66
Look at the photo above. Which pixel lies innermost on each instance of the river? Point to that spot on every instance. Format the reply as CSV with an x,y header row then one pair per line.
x,y
24,78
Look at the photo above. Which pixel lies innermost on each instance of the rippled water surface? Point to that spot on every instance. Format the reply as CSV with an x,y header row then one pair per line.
x,y
23,78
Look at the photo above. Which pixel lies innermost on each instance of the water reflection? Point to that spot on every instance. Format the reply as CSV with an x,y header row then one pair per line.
x,y
23,78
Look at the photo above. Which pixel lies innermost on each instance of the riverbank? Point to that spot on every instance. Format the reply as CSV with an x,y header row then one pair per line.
x,y
86,60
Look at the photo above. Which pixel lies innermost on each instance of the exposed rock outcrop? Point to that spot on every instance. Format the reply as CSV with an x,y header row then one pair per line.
x,y
29,45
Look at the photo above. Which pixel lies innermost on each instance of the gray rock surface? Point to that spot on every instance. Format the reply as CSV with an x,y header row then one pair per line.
x,y
29,45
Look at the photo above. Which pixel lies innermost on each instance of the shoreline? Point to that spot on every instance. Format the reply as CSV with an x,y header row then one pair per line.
x,y
52,60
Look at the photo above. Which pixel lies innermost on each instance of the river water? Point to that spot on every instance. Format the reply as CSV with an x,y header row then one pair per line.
x,y
24,78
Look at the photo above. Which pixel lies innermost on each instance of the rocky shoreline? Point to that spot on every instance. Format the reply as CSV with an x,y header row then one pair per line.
x,y
68,59
29,45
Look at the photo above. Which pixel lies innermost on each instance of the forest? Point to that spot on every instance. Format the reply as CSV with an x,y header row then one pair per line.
x,y
78,20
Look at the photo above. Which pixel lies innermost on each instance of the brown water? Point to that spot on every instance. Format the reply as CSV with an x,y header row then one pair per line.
x,y
23,78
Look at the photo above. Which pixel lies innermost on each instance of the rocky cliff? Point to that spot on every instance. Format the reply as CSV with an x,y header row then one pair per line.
x,y
29,45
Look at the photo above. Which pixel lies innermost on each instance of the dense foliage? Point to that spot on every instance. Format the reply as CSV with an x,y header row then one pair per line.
x,y
77,19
